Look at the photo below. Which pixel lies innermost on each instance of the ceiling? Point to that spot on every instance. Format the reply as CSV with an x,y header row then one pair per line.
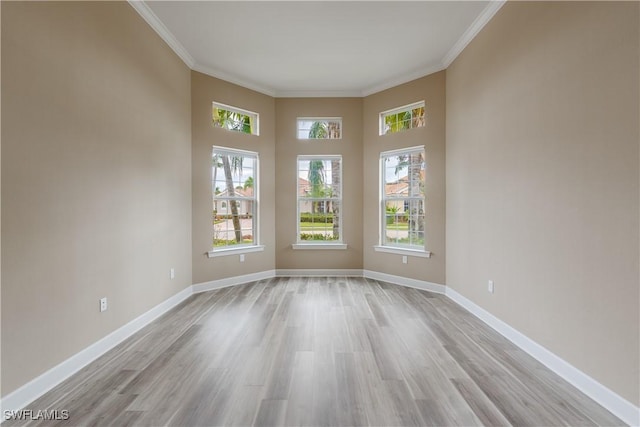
x,y
330,48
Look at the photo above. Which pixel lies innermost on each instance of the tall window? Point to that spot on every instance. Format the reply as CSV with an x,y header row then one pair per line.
x,y
319,199
235,119
402,198
402,118
235,198
319,128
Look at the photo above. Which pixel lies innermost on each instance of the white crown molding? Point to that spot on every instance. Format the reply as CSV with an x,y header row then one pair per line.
x,y
616,404
154,22
318,94
232,281
404,78
35,388
218,74
478,24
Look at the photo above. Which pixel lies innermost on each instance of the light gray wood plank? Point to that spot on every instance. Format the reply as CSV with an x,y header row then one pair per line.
x,y
481,406
377,311
271,413
351,411
376,401
244,403
403,402
324,405
126,419
387,364
277,387
300,399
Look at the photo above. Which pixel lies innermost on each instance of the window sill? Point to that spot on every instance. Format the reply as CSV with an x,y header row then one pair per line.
x,y
235,251
402,251
338,246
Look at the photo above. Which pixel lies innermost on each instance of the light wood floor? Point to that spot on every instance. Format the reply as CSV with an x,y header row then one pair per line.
x,y
319,352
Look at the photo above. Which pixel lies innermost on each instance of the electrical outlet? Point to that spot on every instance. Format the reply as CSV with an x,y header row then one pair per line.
x,y
103,304
404,259
172,273
241,257
490,286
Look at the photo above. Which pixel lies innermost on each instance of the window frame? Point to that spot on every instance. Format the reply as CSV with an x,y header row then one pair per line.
x,y
383,245
317,119
319,244
401,109
240,248
237,110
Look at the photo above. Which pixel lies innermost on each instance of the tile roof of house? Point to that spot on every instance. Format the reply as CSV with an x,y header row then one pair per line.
x,y
240,192
401,186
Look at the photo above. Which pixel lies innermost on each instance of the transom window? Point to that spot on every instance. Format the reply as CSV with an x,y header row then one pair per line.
x,y
319,199
402,198
235,119
402,118
235,198
319,127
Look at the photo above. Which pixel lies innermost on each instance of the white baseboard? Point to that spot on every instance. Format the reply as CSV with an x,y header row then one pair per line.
x,y
317,272
35,388
232,281
617,405
405,281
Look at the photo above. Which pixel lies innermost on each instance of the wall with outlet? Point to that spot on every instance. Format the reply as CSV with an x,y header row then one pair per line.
x,y
542,180
96,188
288,147
430,89
204,91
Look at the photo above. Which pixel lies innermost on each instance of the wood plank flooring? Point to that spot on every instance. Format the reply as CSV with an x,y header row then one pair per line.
x,y
332,351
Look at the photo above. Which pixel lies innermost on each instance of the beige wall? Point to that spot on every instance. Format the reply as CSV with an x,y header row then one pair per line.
x,y
96,183
542,180
288,147
204,91
430,89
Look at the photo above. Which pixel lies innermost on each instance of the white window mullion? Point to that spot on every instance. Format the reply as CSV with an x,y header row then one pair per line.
x,y
395,118
317,230
235,119
402,216
246,199
326,128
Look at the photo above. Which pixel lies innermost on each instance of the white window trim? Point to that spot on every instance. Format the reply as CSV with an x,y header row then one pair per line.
x,y
239,111
318,119
305,244
256,246
401,251
235,251
380,247
394,111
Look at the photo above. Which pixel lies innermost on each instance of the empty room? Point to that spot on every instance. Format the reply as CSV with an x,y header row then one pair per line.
x,y
332,213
